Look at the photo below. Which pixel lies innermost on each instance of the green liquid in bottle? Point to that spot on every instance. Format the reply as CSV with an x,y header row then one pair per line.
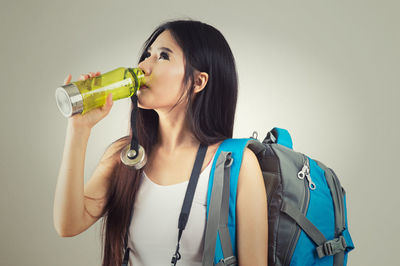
x,y
121,82
85,95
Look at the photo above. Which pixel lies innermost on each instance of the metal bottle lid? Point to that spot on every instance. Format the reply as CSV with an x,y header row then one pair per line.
x,y
138,162
69,100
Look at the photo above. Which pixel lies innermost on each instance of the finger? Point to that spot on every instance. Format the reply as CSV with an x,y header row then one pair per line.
x,y
109,102
67,79
110,99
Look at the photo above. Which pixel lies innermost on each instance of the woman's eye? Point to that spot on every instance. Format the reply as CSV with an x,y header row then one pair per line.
x,y
162,55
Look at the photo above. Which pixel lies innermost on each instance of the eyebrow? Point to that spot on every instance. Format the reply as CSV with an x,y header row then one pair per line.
x,y
163,49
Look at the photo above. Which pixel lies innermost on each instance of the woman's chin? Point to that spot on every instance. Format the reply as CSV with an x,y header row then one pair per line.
x,y
142,106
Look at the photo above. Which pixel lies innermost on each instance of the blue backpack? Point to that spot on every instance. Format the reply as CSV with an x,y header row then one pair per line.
x,y
307,217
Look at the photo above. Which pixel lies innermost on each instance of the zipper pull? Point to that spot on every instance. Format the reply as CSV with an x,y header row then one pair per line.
x,y
305,172
311,184
302,172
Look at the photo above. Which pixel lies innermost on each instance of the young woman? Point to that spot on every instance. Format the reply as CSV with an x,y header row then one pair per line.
x,y
190,99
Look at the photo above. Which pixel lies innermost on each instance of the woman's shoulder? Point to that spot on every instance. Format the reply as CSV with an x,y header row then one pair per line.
x,y
250,173
250,159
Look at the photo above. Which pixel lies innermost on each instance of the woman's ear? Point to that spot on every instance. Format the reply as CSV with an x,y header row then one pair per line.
x,y
200,81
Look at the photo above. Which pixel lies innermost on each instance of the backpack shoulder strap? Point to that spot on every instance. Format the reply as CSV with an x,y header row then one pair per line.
x,y
214,250
236,146
218,241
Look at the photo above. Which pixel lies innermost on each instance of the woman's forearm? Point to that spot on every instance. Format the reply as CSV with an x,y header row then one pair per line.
x,y
68,206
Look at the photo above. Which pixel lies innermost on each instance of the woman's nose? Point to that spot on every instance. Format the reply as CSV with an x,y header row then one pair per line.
x,y
145,67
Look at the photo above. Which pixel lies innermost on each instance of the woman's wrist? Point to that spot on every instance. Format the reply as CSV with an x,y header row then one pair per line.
x,y
78,130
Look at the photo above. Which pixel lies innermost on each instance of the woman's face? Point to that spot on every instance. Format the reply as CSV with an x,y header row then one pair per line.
x,y
164,71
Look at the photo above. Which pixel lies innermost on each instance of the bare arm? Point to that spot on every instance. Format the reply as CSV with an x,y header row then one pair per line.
x,y
69,213
252,213
77,206
69,201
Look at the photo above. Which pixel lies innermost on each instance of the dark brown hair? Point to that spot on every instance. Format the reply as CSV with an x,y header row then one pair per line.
x,y
211,116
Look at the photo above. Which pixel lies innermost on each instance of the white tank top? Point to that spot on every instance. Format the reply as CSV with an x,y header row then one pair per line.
x,y
153,233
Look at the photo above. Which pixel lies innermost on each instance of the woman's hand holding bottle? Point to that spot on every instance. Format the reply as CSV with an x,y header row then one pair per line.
x,y
91,118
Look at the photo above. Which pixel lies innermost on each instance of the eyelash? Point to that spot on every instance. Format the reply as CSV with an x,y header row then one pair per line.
x,y
162,54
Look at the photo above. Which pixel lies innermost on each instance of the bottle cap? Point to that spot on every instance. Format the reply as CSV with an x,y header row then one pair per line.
x,y
69,100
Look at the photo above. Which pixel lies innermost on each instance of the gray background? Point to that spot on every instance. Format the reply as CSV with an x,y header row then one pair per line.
x,y
325,70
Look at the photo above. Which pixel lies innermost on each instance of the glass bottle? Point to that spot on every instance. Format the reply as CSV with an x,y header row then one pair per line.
x,y
79,97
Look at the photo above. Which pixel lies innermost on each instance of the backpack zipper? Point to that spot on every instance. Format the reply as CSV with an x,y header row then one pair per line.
x,y
303,172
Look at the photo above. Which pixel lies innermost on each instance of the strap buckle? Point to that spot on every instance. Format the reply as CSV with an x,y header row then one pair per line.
x,y
332,247
175,258
228,261
229,160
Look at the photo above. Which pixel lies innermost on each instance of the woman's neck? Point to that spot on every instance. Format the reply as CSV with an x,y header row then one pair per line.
x,y
174,132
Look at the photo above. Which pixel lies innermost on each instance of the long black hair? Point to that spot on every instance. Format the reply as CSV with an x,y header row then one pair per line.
x,y
210,114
